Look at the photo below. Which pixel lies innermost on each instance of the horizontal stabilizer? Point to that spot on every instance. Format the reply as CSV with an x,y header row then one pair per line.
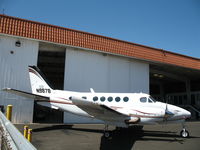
x,y
26,94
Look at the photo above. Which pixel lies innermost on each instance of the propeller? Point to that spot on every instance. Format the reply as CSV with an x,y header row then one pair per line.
x,y
167,114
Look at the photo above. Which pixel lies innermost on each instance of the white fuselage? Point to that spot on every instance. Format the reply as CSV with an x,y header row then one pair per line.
x,y
136,105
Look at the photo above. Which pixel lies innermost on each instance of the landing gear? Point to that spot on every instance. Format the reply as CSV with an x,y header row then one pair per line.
x,y
106,132
184,133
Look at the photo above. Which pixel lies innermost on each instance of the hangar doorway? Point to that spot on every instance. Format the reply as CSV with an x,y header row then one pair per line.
x,y
51,61
176,85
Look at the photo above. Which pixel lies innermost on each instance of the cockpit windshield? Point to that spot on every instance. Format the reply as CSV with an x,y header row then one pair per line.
x,y
147,100
151,100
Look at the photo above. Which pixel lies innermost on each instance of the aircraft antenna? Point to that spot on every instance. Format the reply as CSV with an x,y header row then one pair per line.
x,y
91,90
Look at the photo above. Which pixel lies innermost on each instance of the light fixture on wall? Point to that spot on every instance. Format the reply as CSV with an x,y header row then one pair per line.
x,y
158,75
18,43
155,75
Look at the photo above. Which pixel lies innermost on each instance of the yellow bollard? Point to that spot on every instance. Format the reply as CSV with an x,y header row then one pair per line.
x,y
9,112
29,135
26,132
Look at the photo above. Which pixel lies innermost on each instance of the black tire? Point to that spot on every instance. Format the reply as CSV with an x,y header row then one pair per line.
x,y
184,133
106,134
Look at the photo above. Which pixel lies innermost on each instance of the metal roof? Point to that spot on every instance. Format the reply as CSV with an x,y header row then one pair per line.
x,y
55,34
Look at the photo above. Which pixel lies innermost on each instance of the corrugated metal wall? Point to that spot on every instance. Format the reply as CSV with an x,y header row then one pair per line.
x,y
84,70
14,74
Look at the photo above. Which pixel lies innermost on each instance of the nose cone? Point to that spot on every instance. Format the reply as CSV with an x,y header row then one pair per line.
x,y
186,114
181,113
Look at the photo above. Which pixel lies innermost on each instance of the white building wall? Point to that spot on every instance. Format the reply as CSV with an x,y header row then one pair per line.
x,y
14,74
86,69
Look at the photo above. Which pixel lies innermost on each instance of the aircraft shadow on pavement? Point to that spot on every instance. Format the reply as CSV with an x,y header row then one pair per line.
x,y
126,138
53,127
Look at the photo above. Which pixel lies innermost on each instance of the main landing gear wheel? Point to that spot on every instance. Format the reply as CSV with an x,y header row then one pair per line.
x,y
184,133
107,134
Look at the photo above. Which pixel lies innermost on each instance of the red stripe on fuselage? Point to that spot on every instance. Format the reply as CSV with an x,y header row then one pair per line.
x,y
144,112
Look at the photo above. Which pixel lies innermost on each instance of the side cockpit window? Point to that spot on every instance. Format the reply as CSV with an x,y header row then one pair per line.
x,y
143,99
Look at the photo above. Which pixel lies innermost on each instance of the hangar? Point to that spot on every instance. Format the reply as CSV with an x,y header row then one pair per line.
x,y
77,60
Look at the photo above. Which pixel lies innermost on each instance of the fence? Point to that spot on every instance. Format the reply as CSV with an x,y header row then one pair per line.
x,y
11,138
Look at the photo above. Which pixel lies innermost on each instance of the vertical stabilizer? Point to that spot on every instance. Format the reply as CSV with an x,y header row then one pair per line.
x,y
39,84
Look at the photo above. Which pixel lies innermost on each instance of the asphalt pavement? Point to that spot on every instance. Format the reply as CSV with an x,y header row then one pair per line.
x,y
90,137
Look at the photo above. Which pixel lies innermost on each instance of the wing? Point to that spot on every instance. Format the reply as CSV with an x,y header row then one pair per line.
x,y
26,94
100,111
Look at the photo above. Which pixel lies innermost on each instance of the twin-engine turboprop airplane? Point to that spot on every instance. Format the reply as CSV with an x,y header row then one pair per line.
x,y
118,109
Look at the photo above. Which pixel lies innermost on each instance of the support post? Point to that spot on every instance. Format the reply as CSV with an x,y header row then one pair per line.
x,y
29,135
26,132
188,91
9,112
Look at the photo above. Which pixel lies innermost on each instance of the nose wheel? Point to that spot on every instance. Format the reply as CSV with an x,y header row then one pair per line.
x,y
184,133
106,132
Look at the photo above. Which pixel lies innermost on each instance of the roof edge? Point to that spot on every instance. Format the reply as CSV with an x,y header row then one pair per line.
x,y
84,32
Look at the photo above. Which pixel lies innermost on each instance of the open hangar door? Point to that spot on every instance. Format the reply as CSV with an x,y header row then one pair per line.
x,y
51,61
176,85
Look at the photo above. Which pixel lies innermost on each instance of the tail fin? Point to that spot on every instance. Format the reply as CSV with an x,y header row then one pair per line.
x,y
39,84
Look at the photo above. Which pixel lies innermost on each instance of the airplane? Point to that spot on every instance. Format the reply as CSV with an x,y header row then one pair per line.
x,y
122,110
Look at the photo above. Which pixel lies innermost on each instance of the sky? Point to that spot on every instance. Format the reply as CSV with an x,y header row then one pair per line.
x,y
172,25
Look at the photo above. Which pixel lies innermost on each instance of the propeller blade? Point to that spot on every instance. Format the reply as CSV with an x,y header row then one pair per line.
x,y
167,113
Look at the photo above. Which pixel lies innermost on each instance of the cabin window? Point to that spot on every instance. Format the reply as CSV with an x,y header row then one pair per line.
x,y
110,99
117,99
102,98
125,99
95,98
143,99
84,97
